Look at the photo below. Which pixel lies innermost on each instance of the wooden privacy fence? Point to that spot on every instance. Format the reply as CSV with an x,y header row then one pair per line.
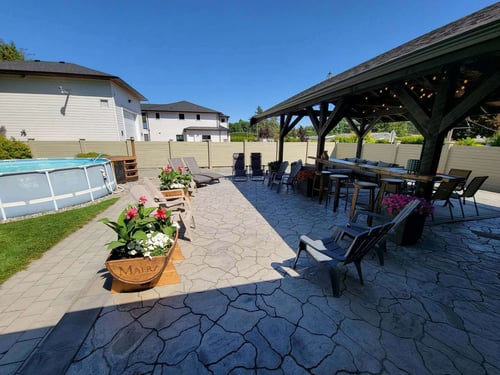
x,y
483,161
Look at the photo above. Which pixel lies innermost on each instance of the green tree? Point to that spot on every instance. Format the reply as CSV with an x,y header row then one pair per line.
x,y
268,128
241,126
402,128
9,52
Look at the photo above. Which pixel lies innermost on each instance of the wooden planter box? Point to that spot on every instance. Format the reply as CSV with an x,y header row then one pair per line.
x,y
305,187
176,193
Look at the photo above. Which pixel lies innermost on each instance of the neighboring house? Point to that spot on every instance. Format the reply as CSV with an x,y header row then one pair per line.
x,y
184,121
60,101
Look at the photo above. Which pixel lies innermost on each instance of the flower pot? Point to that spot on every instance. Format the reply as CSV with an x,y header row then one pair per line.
x,y
140,271
305,187
409,232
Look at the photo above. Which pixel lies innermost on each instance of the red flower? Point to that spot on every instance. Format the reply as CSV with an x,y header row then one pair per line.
x,y
132,213
180,168
160,213
142,200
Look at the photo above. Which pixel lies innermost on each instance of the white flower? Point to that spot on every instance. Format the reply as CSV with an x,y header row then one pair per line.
x,y
132,252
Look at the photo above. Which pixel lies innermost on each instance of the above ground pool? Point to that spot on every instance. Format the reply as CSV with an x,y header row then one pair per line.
x,y
30,186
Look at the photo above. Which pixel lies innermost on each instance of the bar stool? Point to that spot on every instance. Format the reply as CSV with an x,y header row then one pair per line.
x,y
336,180
362,185
322,186
388,185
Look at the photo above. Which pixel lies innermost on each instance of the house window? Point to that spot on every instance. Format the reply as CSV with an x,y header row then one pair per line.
x,y
198,117
157,115
146,137
144,121
181,116
222,119
206,137
179,138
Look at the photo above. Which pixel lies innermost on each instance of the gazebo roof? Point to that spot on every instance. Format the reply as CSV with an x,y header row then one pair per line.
x,y
470,45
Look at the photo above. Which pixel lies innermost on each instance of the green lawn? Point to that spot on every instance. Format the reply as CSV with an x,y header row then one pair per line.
x,y
26,240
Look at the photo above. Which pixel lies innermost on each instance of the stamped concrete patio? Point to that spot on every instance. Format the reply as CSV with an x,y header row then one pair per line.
x,y
240,308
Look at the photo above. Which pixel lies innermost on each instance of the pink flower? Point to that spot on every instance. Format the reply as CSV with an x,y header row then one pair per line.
x,y
180,168
142,200
167,169
132,213
160,213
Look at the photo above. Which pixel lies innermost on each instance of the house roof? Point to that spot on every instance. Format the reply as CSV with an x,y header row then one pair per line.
x,y
477,35
182,106
49,68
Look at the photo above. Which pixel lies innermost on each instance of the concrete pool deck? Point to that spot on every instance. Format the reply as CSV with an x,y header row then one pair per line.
x,y
434,307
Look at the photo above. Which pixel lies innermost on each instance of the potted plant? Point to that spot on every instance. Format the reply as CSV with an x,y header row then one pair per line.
x,y
412,228
174,178
146,237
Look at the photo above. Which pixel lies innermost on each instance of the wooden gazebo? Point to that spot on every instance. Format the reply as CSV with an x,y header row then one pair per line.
x,y
435,81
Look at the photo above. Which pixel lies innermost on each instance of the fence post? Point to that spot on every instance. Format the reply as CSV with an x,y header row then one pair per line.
x,y
397,144
209,156
170,149
83,146
445,155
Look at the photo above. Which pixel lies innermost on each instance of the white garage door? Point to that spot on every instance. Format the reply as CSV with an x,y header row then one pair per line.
x,y
130,128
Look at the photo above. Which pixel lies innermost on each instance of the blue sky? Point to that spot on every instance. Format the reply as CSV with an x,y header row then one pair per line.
x,y
231,56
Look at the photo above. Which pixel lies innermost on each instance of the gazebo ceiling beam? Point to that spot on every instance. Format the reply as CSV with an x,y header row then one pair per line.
x,y
381,76
489,85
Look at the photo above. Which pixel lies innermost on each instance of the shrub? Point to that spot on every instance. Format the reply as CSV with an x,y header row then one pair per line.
x,y
347,139
495,140
12,149
240,137
467,142
91,155
412,139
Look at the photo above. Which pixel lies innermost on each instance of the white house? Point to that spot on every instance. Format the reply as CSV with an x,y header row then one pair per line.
x,y
60,101
184,121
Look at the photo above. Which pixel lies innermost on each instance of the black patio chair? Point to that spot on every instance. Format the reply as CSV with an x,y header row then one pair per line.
x,y
257,171
239,169
444,192
469,192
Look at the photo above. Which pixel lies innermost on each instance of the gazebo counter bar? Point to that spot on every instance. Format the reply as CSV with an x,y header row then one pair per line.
x,y
382,171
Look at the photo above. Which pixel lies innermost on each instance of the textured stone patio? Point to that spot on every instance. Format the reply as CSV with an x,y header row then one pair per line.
x,y
240,308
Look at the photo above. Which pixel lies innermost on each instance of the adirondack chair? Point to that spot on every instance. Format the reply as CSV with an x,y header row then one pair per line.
x,y
276,177
331,253
288,179
354,227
